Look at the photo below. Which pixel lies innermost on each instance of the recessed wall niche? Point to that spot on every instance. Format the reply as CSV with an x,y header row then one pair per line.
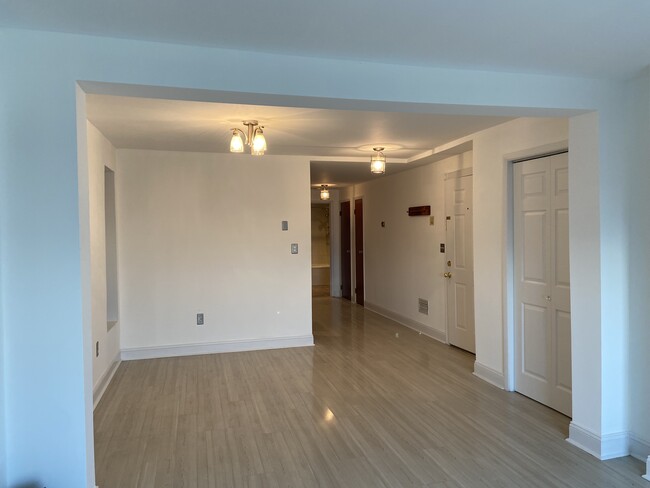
x,y
112,310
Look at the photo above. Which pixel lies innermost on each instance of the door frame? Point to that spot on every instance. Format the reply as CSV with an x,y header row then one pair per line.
x,y
353,221
509,254
350,230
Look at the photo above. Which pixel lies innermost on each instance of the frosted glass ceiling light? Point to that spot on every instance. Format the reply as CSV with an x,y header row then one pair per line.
x,y
259,143
254,137
378,161
237,143
324,193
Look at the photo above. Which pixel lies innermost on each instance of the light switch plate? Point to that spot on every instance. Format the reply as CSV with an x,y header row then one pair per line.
x,y
285,225
294,248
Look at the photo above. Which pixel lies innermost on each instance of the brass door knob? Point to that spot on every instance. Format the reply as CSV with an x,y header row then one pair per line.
x,y
447,275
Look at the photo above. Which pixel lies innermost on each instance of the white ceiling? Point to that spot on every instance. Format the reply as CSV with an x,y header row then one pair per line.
x,y
580,37
339,141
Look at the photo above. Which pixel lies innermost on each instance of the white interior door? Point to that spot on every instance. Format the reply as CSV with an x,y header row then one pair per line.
x,y
459,266
542,298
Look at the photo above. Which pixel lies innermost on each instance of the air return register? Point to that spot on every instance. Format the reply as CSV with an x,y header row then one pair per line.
x,y
423,306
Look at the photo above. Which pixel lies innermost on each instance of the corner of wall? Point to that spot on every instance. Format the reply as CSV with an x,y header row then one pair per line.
x,y
3,382
489,375
3,442
100,155
638,366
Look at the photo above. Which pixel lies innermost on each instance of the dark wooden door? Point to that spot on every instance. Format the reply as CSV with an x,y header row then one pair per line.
x,y
358,240
346,258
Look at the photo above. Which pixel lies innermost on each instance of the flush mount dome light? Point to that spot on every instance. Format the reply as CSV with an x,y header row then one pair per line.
x,y
378,161
324,192
253,137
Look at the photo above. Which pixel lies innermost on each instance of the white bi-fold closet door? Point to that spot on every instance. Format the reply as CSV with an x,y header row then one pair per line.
x,y
542,285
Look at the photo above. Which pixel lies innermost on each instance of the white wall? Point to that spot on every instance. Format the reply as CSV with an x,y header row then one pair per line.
x,y
403,260
3,451
201,233
101,154
49,424
584,250
492,148
639,302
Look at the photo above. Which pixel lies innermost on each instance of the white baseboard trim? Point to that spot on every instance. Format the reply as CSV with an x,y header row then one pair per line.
x,y
427,330
614,445
153,352
490,375
105,380
646,476
608,446
584,439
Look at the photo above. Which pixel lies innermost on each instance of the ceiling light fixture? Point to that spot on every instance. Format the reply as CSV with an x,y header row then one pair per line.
x,y
378,161
324,193
254,137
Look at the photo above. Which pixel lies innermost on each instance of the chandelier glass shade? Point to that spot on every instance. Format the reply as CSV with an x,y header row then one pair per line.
x,y
378,161
236,143
324,193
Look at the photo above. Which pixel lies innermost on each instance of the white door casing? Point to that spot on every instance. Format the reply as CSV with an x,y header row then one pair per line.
x,y
542,285
459,262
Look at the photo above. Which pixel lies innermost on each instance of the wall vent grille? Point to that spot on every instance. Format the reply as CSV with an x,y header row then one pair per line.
x,y
423,306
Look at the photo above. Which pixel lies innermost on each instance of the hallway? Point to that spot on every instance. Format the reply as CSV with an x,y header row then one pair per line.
x,y
373,404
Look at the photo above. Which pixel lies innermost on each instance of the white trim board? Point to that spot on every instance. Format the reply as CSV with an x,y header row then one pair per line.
x,y
104,380
427,330
154,352
609,446
490,375
646,476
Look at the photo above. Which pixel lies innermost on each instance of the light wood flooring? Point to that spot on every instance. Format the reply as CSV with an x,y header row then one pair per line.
x,y
373,404
320,291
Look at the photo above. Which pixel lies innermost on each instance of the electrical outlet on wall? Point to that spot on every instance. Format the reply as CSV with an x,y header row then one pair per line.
x,y
199,319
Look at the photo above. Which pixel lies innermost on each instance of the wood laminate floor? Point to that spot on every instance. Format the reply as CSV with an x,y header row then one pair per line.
x,y
320,291
373,404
